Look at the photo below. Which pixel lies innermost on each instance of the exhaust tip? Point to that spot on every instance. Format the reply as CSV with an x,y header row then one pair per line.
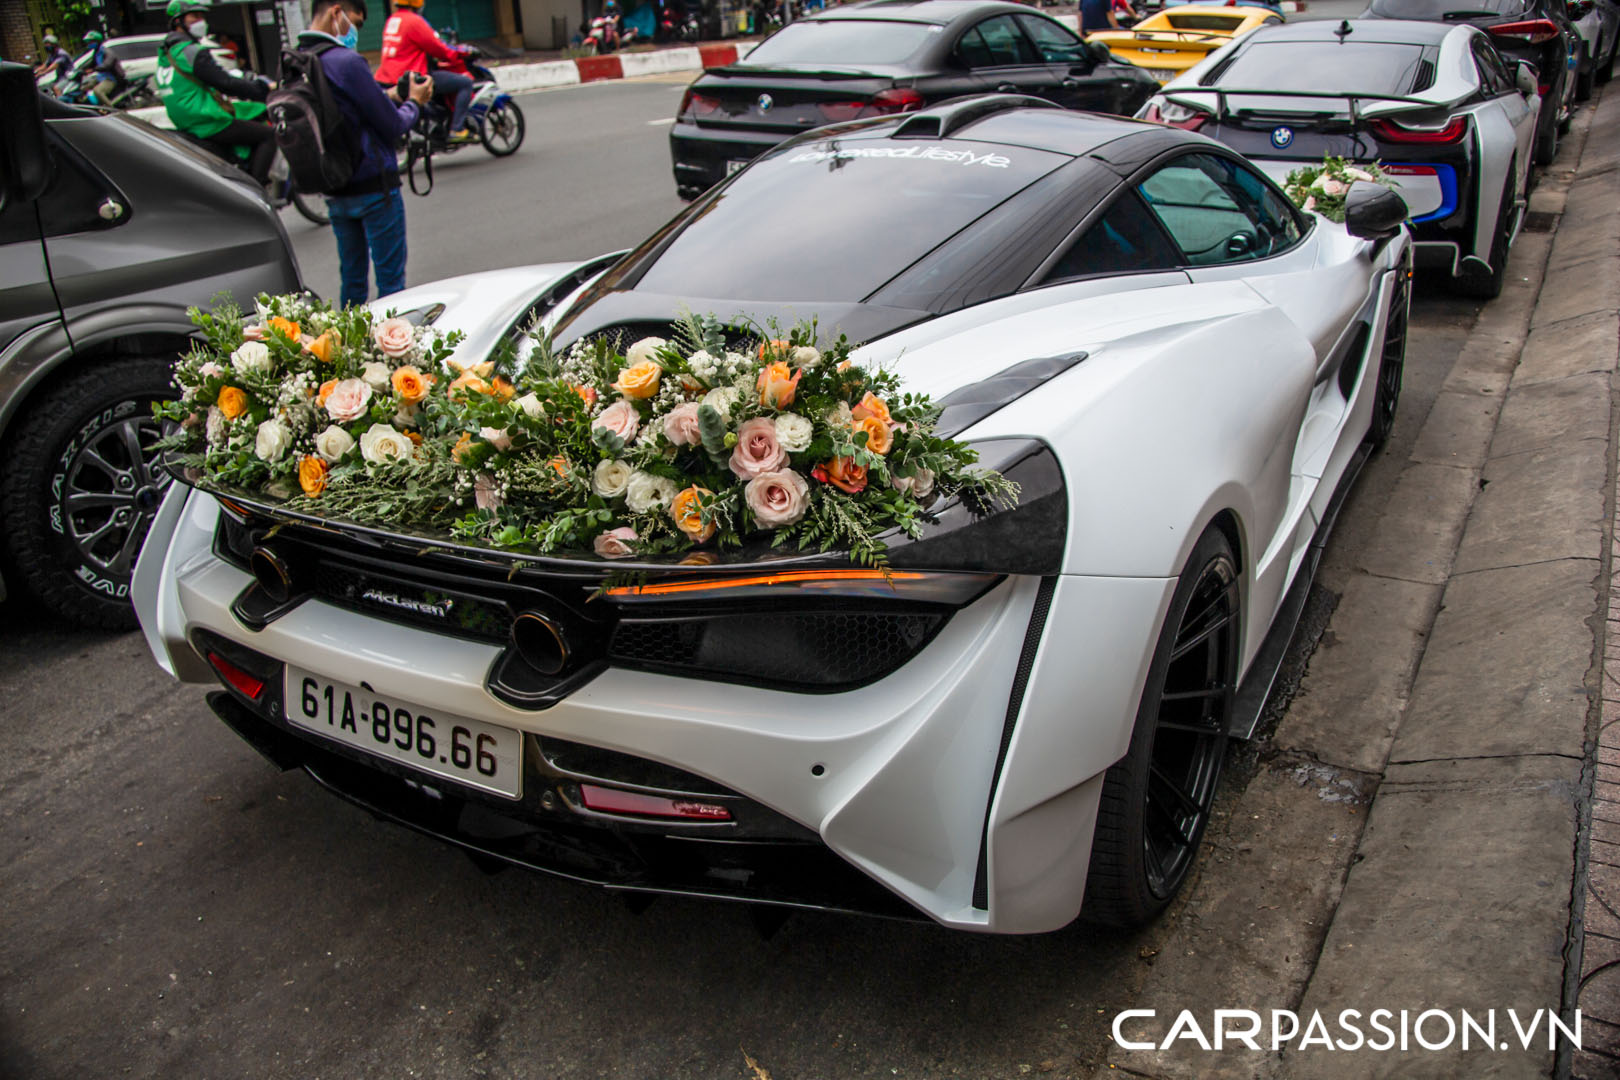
x,y
540,642
271,570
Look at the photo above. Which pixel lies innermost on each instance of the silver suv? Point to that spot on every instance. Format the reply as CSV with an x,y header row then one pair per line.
x,y
109,231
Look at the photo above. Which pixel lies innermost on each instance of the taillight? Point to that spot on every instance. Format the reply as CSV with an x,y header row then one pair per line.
x,y
896,100
1176,116
1390,131
1535,31
955,588
837,111
695,106
250,687
614,801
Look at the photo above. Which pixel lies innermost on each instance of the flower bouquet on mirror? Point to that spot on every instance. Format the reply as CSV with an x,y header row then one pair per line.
x,y
1322,188
715,439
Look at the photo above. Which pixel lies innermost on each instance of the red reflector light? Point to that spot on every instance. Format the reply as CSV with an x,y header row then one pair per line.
x,y
895,100
1410,170
613,801
1390,131
1535,31
238,678
695,105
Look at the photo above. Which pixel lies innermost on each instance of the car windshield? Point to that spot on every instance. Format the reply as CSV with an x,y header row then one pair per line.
x,y
1439,10
1310,66
831,221
841,43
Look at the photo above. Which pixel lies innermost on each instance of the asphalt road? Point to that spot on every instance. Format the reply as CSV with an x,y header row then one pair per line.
x,y
173,906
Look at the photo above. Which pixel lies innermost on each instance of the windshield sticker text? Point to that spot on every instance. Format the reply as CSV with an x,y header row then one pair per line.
x,y
919,153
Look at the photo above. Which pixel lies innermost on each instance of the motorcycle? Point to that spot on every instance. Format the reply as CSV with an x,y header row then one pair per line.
x,y
677,24
607,35
492,113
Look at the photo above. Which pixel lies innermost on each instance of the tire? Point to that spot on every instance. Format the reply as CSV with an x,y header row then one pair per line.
x,y
1480,284
1547,136
1606,72
81,487
1391,363
502,130
307,206
1156,799
1586,73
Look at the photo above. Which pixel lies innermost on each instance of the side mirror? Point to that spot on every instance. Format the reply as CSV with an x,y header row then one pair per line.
x,y
25,162
1099,52
1373,211
1527,78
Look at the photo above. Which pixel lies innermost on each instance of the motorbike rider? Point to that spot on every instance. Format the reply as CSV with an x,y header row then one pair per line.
x,y
56,59
195,88
621,34
107,74
408,43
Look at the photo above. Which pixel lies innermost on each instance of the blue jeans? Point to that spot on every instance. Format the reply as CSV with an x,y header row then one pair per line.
x,y
447,84
369,227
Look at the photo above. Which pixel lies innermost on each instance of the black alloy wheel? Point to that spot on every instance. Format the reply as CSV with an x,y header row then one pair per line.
x,y
1156,800
502,129
1391,362
81,488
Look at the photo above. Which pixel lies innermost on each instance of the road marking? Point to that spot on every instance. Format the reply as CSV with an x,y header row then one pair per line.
x,y
665,120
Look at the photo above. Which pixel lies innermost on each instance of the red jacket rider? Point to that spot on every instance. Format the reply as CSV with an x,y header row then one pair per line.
x,y
407,43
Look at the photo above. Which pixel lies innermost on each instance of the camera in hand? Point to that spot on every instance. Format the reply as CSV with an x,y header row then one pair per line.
x,y
403,87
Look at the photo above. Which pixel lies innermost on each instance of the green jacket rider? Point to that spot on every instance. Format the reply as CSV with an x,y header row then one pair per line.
x,y
195,90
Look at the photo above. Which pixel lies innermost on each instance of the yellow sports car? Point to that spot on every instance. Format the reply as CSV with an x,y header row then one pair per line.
x,y
1175,39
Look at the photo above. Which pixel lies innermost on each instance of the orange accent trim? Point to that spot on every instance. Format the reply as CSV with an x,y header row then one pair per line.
x,y
785,577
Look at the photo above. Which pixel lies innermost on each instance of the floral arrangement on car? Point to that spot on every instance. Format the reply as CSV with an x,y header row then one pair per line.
x,y
1322,188
664,447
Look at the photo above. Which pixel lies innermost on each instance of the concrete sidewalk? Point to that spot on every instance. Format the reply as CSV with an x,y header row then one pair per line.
x,y
1415,836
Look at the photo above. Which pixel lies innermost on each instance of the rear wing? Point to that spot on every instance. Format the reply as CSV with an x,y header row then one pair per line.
x,y
1381,103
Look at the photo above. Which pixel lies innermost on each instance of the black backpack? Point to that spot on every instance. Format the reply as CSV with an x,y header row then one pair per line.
x,y
313,135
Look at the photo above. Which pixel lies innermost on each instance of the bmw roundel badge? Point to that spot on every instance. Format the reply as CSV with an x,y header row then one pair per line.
x,y
765,102
1281,137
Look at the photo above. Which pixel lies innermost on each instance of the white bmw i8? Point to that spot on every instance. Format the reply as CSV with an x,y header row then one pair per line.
x,y
1028,718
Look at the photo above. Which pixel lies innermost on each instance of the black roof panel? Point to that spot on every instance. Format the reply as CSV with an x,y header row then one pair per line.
x,y
938,12
1363,31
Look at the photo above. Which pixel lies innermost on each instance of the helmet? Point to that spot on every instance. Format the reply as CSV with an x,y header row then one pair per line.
x,y
50,39
611,6
94,37
177,8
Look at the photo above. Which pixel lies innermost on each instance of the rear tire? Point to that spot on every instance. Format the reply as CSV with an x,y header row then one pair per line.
x,y
1547,136
81,487
1487,285
307,206
1156,799
1606,72
502,130
1586,73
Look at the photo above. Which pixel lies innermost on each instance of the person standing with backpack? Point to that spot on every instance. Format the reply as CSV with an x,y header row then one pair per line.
x,y
350,156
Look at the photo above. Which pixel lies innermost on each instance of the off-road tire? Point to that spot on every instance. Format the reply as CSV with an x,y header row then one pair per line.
x,y
47,459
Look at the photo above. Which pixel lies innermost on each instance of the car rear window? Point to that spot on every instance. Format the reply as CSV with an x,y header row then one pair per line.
x,y
832,220
1351,67
134,50
1206,22
1446,10
840,43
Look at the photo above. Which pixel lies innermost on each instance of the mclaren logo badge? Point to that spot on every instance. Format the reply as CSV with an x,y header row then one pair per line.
x,y
438,608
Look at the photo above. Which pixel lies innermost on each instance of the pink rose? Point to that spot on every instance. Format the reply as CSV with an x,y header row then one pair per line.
x,y
210,370
496,437
620,418
255,333
348,399
615,543
394,337
1334,187
485,494
681,425
757,450
777,498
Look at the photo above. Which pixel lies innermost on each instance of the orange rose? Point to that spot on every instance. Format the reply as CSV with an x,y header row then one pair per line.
x,y
285,327
232,402
639,380
501,390
775,345
688,514
463,444
776,386
878,436
468,381
325,347
587,394
843,474
325,392
415,437
871,405
410,384
559,465
312,472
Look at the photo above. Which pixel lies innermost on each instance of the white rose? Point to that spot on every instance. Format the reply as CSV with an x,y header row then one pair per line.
x,y
215,427
376,375
251,356
919,485
840,416
645,492
210,370
804,356
645,350
1358,174
496,437
1320,182
611,478
381,442
528,405
793,432
272,440
721,399
333,443
406,415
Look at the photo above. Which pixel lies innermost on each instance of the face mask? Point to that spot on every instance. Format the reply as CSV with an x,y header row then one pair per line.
x,y
198,29
350,38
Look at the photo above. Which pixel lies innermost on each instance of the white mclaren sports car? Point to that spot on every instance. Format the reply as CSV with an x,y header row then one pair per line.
x,y
1028,718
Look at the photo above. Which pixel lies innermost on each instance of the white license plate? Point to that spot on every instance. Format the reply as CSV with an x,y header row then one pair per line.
x,y
733,166
1163,74
467,751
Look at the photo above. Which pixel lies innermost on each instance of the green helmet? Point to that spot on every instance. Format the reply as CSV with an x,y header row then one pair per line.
x,y
50,39
178,8
94,37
